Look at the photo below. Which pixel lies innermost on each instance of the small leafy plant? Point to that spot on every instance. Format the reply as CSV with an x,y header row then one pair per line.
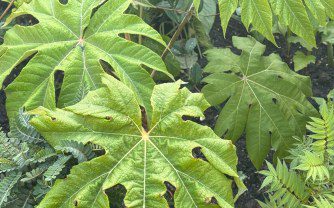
x,y
308,182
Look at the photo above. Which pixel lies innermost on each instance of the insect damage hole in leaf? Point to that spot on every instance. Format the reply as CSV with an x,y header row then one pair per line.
x,y
58,82
108,68
75,45
197,153
274,100
169,195
16,71
25,20
141,160
116,195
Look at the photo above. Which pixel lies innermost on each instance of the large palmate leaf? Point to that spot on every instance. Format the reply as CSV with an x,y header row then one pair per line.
x,y
18,3
263,97
292,13
72,38
141,156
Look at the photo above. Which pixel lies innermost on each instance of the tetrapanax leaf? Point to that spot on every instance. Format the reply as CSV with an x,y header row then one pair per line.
x,y
301,60
141,159
263,97
75,45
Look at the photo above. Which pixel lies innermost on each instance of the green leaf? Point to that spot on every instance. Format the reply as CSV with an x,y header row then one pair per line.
x,y
318,10
78,150
288,189
314,165
197,4
54,170
145,3
323,131
301,41
293,13
263,97
207,15
17,3
329,7
301,60
6,185
21,129
258,13
226,9
75,45
44,154
140,156
322,203
327,33
34,174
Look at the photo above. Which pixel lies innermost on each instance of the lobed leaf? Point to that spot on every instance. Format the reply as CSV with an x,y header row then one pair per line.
x,y
141,156
75,45
262,97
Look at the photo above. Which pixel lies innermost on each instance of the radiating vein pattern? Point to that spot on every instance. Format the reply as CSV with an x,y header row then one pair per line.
x,y
141,159
262,97
75,45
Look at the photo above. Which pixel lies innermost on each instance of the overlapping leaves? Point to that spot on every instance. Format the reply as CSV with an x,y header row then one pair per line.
x,y
263,97
141,157
74,37
292,13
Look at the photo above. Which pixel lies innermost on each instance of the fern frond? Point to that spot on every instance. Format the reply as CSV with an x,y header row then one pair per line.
x,y
268,203
323,132
6,165
44,154
314,165
80,151
35,173
21,129
20,197
288,188
22,158
321,203
13,149
8,147
41,189
6,185
299,148
54,170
